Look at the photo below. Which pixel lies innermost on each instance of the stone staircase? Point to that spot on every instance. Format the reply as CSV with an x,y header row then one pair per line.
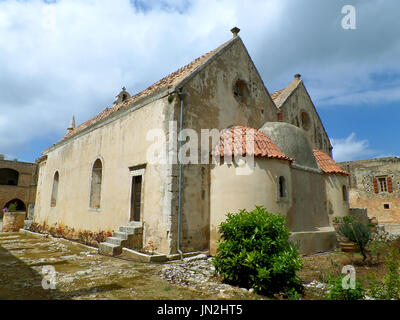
x,y
129,236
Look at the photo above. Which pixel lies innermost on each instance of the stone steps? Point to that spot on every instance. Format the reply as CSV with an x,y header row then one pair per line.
x,y
128,236
117,241
109,249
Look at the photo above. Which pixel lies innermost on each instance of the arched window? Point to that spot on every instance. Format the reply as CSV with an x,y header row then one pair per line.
x,y
345,194
54,191
282,187
95,188
9,177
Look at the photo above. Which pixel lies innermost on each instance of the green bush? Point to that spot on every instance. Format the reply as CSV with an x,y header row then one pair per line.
x,y
356,232
392,277
390,287
337,291
254,252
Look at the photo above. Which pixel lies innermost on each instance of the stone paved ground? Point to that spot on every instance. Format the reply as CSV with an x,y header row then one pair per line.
x,y
81,273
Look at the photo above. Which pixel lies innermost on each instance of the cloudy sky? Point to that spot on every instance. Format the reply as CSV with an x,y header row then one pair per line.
x,y
70,57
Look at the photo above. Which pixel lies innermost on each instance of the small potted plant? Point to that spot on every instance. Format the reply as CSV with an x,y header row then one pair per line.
x,y
336,223
357,234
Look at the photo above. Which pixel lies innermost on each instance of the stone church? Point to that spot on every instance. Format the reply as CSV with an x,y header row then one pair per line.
x,y
99,177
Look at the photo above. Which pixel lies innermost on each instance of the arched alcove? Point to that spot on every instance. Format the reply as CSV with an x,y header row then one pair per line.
x,y
54,191
95,188
9,177
19,204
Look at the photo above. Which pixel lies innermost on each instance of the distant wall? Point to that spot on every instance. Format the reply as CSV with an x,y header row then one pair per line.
x,y
25,190
360,214
365,193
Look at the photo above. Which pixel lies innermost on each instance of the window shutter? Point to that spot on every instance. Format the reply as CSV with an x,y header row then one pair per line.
x,y
376,185
389,184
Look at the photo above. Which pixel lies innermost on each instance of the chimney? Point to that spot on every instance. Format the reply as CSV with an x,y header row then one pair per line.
x,y
297,76
235,31
71,125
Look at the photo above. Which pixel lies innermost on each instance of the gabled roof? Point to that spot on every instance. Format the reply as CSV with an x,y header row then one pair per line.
x,y
233,142
170,81
281,96
327,164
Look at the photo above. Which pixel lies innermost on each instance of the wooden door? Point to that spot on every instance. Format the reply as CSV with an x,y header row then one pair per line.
x,y
136,196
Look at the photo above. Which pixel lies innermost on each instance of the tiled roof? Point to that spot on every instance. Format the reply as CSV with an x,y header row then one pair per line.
x,y
327,164
280,96
276,94
235,138
169,81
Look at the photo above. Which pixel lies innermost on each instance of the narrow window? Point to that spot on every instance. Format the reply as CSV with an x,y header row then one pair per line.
x,y
95,189
54,191
282,187
382,185
345,194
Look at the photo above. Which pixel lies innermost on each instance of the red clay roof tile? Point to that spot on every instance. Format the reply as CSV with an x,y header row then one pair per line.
x,y
327,164
233,142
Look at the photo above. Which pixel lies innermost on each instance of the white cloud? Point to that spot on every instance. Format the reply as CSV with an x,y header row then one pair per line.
x,y
72,57
350,148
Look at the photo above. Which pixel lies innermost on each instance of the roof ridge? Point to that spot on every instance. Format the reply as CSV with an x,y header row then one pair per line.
x,y
172,79
283,94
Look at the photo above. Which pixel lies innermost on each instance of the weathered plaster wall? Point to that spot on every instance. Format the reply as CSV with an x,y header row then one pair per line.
x,y
297,103
309,210
362,193
210,103
231,192
337,205
120,145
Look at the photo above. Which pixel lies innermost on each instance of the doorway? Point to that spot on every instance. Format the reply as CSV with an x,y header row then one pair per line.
x,y
136,198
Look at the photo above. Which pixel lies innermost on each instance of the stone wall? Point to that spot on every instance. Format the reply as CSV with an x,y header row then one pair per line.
x,y
25,190
364,193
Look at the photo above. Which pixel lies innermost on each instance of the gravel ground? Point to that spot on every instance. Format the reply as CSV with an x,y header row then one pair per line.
x,y
81,273
199,273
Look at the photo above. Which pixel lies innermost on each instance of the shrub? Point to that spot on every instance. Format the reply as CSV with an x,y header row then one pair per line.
x,y
392,277
356,232
254,252
337,291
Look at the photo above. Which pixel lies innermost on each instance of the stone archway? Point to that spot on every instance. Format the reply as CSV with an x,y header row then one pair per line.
x,y
19,204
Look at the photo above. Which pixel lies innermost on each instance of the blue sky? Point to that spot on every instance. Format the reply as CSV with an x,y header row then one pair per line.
x,y
64,58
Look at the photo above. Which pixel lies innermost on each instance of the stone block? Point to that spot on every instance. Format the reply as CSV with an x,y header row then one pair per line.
x,y
13,221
